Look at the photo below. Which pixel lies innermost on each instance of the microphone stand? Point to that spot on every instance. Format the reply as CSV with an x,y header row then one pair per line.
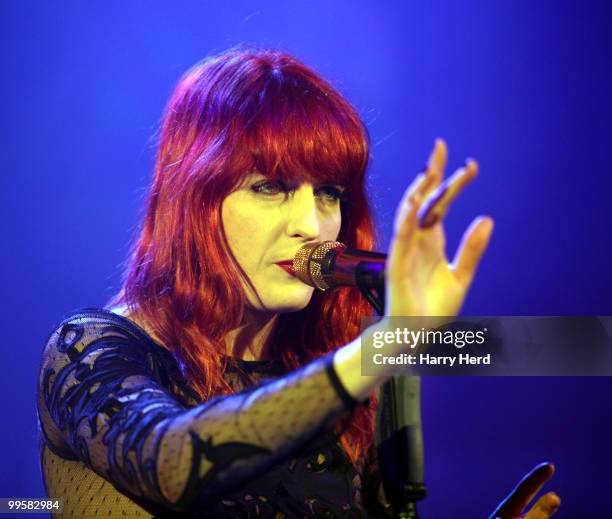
x,y
399,437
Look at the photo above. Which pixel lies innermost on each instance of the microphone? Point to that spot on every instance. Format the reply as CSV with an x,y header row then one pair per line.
x,y
328,264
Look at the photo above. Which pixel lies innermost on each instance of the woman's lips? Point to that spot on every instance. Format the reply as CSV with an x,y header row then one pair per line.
x,y
287,266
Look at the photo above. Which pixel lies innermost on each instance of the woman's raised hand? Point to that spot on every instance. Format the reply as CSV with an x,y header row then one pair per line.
x,y
420,280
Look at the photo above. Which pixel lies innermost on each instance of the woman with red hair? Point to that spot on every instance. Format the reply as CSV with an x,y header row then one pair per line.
x,y
216,383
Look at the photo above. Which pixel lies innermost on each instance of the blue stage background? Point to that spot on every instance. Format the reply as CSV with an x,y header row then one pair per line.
x,y
524,87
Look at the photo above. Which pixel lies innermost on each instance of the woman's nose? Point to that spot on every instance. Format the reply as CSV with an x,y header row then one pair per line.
x,y
302,214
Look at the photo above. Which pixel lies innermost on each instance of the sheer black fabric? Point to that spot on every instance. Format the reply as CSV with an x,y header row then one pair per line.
x,y
124,436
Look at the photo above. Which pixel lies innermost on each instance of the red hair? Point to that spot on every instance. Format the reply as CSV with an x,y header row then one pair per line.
x,y
244,110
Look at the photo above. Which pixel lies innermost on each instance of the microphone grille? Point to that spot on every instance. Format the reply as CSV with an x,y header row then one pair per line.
x,y
308,260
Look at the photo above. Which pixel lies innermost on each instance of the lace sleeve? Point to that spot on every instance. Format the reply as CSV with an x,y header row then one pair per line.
x,y
105,397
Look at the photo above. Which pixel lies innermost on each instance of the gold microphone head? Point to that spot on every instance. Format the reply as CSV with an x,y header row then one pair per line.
x,y
308,260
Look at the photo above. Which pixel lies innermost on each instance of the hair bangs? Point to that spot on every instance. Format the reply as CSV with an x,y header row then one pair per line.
x,y
306,135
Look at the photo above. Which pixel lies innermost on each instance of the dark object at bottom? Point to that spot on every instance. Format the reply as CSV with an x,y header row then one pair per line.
x,y
401,495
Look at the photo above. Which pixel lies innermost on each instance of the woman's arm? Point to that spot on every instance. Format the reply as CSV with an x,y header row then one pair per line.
x,y
104,399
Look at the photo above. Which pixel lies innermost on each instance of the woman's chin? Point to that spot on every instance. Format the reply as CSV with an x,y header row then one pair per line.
x,y
291,300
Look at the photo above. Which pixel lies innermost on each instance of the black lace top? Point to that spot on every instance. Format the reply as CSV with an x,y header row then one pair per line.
x,y
124,436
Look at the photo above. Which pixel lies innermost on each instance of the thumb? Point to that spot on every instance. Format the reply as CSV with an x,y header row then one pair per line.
x,y
472,247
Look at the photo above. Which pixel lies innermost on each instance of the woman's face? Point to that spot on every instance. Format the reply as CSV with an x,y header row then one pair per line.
x,y
265,223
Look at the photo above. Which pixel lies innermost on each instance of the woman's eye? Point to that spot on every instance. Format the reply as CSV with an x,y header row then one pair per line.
x,y
331,194
267,187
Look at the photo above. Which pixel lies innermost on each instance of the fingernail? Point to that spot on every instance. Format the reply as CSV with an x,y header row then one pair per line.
x,y
552,508
488,219
470,160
